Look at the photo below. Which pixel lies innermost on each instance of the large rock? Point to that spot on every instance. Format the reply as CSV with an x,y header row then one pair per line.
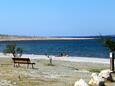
x,y
96,80
106,74
81,82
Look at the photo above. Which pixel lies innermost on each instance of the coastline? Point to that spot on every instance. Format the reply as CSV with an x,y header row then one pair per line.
x,y
20,38
27,39
63,58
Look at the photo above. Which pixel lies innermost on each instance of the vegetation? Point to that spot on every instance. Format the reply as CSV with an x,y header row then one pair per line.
x,y
60,75
97,70
13,49
109,43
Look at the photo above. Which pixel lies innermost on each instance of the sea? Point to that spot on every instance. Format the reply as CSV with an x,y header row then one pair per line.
x,y
75,48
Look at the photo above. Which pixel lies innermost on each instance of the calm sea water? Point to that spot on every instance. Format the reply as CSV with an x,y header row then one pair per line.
x,y
84,48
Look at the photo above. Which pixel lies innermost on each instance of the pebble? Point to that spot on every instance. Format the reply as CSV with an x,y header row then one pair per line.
x,y
7,83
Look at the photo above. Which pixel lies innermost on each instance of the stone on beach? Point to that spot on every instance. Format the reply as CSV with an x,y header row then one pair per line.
x,y
7,83
96,80
81,82
106,74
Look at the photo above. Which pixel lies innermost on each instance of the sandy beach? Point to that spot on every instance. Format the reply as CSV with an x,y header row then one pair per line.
x,y
64,71
63,58
57,43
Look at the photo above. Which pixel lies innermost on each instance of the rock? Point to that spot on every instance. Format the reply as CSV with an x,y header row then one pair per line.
x,y
101,83
5,83
106,74
96,80
93,81
81,82
14,83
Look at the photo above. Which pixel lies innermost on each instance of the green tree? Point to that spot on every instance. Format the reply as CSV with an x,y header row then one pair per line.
x,y
13,49
109,43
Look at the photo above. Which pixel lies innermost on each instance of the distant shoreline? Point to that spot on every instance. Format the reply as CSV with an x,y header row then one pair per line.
x,y
10,38
4,37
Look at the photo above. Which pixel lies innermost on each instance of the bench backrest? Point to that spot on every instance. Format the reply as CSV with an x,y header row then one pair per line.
x,y
21,60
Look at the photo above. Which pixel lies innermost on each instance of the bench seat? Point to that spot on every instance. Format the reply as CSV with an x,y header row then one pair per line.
x,y
22,61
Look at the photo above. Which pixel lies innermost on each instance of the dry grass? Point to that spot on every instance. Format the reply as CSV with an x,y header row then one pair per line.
x,y
60,74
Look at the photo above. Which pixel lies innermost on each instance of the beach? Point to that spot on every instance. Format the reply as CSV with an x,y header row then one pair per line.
x,y
64,71
57,43
63,58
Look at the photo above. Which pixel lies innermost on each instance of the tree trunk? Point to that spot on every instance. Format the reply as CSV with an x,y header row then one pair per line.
x,y
112,61
14,55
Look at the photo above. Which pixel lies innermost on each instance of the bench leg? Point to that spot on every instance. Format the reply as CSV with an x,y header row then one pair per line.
x,y
16,65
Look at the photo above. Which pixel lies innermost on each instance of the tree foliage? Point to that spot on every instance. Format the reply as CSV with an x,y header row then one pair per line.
x,y
109,43
13,49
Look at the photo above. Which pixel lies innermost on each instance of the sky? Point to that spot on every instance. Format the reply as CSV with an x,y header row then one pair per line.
x,y
57,17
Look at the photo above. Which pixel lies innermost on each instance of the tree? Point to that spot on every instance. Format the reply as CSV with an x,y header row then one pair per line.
x,y
110,44
13,49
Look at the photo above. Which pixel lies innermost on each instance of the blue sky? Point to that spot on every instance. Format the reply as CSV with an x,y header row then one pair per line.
x,y
57,17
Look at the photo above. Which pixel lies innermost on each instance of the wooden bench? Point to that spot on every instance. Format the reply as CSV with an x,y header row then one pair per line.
x,y
22,61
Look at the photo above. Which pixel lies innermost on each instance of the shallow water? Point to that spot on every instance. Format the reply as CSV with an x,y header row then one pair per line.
x,y
84,48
